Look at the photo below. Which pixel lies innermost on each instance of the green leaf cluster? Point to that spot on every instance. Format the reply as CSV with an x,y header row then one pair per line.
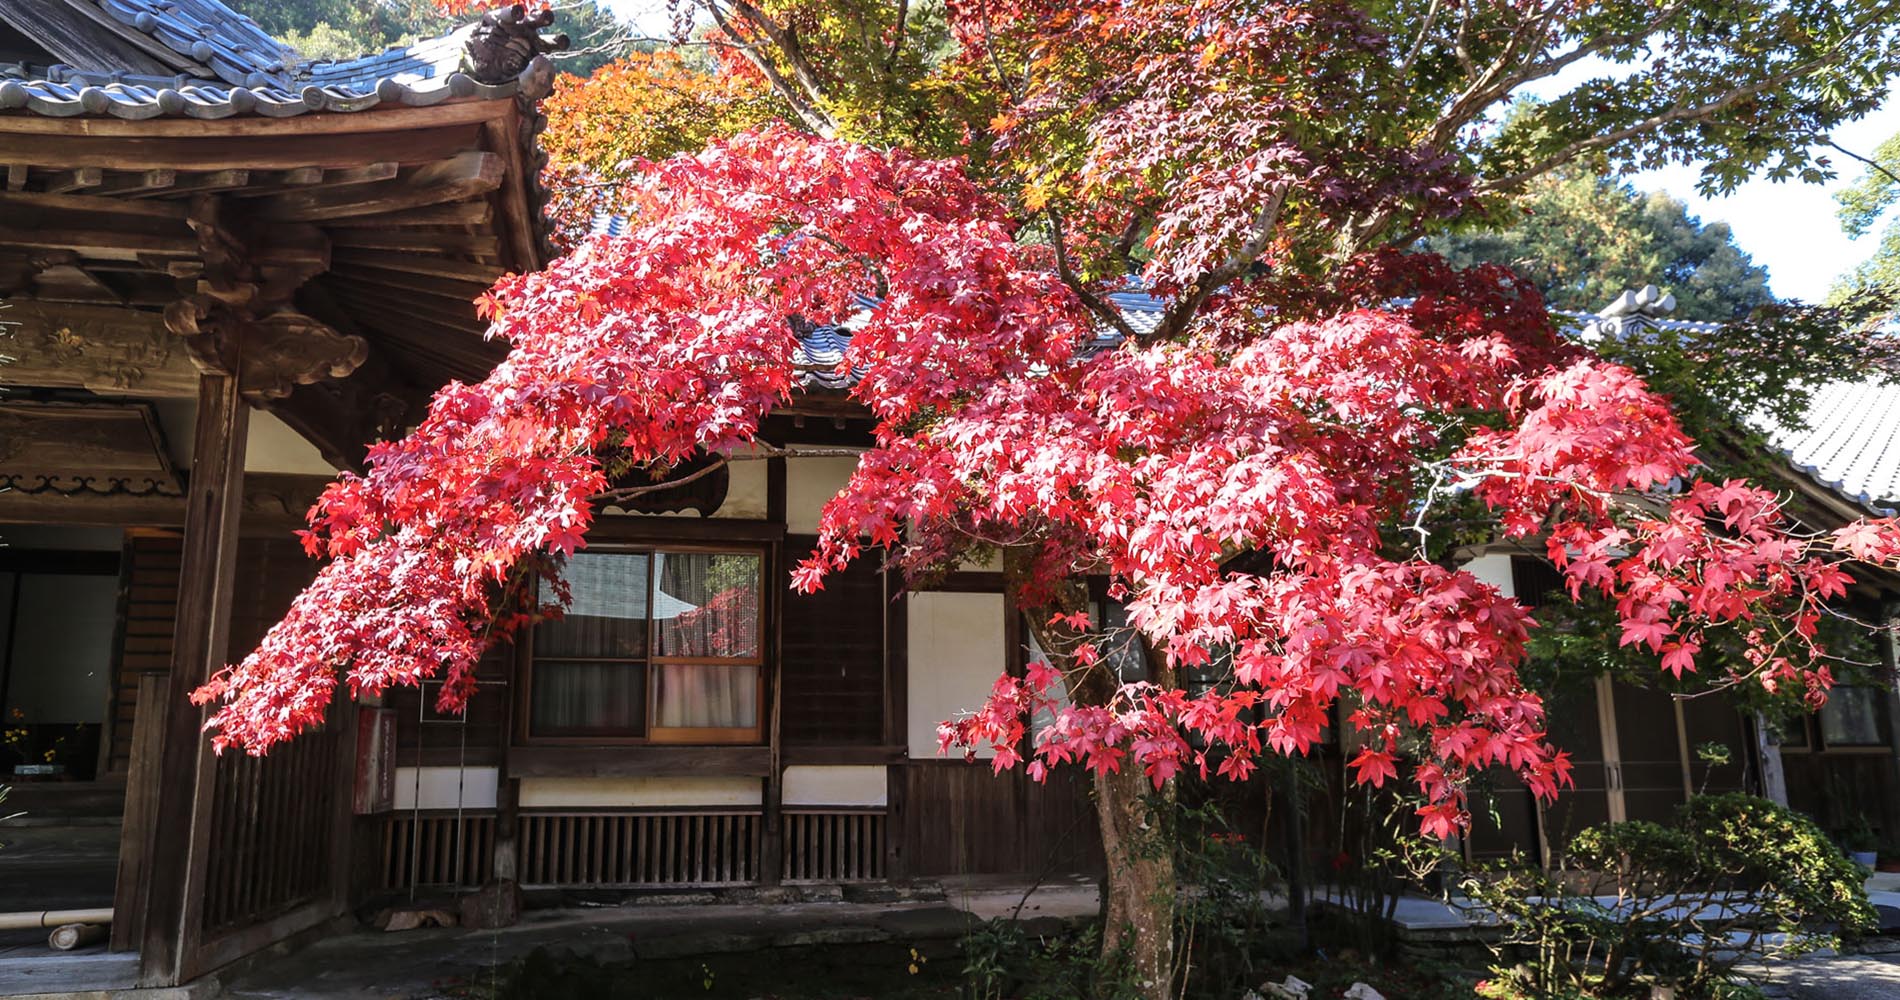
x,y
1731,879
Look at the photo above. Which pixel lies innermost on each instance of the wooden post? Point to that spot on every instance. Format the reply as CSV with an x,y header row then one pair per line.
x,y
772,787
1774,780
172,920
772,791
896,728
1889,645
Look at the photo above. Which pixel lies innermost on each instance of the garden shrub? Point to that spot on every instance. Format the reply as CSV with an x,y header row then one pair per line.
x,y
1731,878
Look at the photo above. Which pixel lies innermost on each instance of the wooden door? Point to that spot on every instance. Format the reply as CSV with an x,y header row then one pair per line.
x,y
1574,712
1649,766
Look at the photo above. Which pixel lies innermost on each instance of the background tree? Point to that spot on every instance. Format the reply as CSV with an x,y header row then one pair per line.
x,y
1253,173
644,107
1585,239
1863,208
343,29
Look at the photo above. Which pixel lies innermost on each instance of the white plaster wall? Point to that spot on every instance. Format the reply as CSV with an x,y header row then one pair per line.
x,y
638,792
809,483
745,490
956,652
840,785
269,446
272,446
439,787
1494,568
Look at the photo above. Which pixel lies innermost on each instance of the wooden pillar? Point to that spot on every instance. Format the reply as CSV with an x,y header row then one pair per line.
x,y
772,788
1889,645
896,728
179,836
1774,780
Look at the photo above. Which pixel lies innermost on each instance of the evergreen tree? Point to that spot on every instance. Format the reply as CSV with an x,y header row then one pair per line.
x,y
1584,239
342,29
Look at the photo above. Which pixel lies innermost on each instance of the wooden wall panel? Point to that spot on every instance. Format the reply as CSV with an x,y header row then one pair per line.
x,y
833,656
151,612
1836,787
962,819
271,572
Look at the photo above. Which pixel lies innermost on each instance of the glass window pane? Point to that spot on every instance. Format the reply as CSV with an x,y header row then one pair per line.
x,y
699,696
1045,716
588,699
1852,717
1123,649
608,614
707,604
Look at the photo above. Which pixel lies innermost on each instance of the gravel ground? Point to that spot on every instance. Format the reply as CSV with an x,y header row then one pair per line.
x,y
1836,977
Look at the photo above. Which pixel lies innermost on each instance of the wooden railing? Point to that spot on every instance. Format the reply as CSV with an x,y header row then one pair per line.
x,y
833,845
429,850
634,849
272,820
629,849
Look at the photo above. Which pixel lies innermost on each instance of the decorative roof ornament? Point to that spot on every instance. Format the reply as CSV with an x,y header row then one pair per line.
x,y
1650,302
505,41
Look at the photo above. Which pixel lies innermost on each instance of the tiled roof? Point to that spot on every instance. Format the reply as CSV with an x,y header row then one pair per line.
x,y
227,66
1851,444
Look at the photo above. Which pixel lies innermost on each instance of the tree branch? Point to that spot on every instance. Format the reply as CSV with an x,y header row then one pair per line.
x,y
1675,114
897,39
1494,84
1103,310
1183,310
809,113
786,39
759,452
1872,164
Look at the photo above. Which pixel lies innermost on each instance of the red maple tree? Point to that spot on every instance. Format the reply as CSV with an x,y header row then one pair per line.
x,y
1255,476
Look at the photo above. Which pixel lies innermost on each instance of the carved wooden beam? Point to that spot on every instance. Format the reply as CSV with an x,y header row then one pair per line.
x,y
457,178
103,349
272,501
114,351
249,277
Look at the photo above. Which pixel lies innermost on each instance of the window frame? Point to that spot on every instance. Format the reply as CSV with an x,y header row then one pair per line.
x,y
1883,724
655,735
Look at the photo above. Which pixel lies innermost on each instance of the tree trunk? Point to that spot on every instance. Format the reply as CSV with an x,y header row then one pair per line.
x,y
1139,905
1139,890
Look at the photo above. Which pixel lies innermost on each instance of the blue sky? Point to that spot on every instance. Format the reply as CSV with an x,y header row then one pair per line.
x,y
1788,228
1791,228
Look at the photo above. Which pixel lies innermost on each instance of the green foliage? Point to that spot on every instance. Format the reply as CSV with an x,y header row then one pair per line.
x,y
1732,878
1863,206
1584,239
1221,923
321,29
1225,935
1004,960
